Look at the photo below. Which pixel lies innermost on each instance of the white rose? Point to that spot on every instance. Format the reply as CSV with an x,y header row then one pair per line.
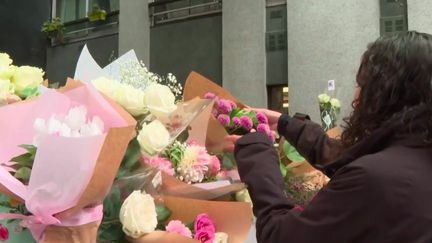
x,y
221,237
153,137
335,103
26,77
5,89
128,97
159,100
243,196
6,69
5,60
138,215
323,98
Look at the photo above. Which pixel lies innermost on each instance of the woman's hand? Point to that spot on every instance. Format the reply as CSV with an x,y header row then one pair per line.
x,y
231,142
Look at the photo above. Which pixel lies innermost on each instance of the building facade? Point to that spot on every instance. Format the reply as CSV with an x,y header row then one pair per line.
x,y
255,49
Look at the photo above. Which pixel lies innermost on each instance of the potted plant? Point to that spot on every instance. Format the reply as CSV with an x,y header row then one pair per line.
x,y
97,14
54,29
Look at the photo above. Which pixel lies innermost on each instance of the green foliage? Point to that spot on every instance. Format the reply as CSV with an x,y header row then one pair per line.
x,y
53,28
97,13
111,229
283,169
23,174
163,214
294,186
292,154
29,92
24,163
15,208
175,153
131,160
228,161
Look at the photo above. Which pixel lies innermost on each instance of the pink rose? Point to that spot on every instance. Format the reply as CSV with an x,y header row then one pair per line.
x,y
214,165
203,221
4,233
176,226
205,236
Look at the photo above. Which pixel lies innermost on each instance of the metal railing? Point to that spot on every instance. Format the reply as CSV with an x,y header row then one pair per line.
x,y
182,13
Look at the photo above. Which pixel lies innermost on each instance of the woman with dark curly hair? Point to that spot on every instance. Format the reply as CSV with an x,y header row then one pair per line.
x,y
381,168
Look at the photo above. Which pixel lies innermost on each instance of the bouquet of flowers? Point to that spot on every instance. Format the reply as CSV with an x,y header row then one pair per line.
x,y
236,120
329,110
60,154
188,162
140,217
18,83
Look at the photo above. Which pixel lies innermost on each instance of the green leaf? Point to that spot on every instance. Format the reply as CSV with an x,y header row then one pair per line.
x,y
283,169
23,173
228,161
130,161
163,214
292,153
24,160
30,148
29,92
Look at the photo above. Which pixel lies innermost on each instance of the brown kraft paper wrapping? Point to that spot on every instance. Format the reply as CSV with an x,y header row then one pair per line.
x,y
106,167
233,218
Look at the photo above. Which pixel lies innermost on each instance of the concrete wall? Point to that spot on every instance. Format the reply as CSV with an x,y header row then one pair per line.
x,y
419,15
185,46
21,22
134,29
243,50
325,41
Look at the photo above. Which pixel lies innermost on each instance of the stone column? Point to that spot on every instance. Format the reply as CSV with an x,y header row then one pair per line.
x,y
243,50
419,15
325,42
134,29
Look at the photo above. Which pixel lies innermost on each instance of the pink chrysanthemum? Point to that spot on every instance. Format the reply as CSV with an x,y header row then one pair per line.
x,y
236,121
176,226
261,118
160,163
209,95
224,119
246,123
223,106
215,165
194,164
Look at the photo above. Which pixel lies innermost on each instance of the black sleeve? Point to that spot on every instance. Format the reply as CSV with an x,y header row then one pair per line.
x,y
337,214
310,140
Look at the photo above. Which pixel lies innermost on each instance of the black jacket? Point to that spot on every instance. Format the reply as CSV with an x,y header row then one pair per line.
x,y
380,189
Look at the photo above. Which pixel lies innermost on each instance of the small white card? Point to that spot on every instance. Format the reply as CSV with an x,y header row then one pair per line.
x,y
331,85
157,180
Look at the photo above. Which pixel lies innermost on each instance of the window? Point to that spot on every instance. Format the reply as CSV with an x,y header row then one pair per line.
x,y
278,98
70,10
393,16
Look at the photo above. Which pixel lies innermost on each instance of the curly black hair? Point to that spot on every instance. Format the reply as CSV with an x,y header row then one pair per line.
x,y
394,78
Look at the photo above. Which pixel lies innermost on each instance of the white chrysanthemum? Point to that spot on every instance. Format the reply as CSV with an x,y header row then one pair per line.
x,y
194,164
